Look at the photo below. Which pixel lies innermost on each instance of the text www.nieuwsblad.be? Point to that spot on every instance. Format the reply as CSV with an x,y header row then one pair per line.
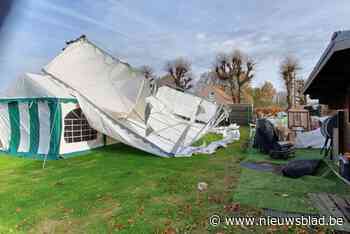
x,y
216,220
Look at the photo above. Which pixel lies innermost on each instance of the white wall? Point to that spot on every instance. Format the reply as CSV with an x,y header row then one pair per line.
x,y
76,146
5,127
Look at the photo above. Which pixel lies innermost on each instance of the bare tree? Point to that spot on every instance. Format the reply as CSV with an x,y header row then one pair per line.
x,y
288,70
148,72
150,75
245,76
180,70
301,98
236,70
224,73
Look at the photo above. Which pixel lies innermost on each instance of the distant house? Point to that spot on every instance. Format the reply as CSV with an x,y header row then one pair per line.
x,y
329,82
239,113
215,93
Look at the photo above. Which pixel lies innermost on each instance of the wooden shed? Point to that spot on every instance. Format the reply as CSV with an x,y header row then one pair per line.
x,y
299,119
329,82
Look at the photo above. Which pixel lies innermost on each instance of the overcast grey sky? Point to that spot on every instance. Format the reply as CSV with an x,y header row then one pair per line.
x,y
153,31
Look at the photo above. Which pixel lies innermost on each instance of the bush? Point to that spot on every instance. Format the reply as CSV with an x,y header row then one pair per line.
x,y
267,111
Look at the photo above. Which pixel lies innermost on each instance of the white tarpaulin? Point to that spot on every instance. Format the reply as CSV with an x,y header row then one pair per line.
x,y
110,84
117,101
311,139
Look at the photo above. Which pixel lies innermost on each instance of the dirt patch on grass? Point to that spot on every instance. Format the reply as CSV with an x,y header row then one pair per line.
x,y
107,212
106,209
49,226
170,199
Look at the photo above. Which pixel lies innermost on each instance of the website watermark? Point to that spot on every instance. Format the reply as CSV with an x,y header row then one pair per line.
x,y
216,220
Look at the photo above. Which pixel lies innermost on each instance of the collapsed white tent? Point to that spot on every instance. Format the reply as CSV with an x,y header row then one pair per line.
x,y
117,101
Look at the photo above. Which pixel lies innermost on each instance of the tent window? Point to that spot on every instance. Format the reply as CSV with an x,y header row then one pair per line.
x,y
77,128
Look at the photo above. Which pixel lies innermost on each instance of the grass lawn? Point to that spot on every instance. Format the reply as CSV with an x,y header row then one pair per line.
x,y
281,193
120,189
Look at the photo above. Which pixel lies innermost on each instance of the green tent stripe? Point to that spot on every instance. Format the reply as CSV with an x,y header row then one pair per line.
x,y
34,127
38,99
55,127
15,126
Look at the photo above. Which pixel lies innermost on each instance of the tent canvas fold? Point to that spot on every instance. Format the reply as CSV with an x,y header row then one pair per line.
x,y
114,96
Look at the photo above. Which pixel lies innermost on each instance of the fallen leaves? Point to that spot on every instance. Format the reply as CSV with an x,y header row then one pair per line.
x,y
169,230
130,221
119,226
216,199
68,210
168,222
188,209
232,208
141,210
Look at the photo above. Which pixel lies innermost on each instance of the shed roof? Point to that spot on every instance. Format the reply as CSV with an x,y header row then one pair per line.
x,y
329,77
221,97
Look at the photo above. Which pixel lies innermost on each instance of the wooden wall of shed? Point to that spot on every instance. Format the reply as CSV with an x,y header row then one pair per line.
x,y
343,105
346,140
346,123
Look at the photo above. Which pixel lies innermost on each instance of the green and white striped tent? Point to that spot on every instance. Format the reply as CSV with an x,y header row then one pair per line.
x,y
40,118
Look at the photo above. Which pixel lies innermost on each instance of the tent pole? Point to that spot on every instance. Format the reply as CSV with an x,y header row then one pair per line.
x,y
44,163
